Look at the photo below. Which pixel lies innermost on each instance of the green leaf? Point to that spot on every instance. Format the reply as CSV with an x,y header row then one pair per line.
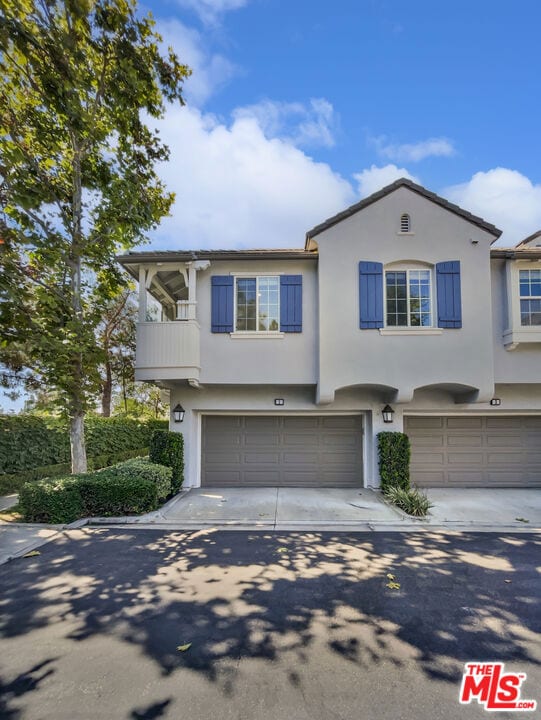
x,y
183,648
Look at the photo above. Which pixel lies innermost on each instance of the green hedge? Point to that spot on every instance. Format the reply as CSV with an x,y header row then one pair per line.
x,y
167,448
132,487
394,460
28,442
51,501
13,483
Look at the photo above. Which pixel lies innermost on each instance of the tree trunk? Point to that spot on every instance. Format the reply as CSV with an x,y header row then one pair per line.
x,y
77,443
76,400
125,394
107,391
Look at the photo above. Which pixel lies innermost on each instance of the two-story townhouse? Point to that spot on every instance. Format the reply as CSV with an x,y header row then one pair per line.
x,y
285,360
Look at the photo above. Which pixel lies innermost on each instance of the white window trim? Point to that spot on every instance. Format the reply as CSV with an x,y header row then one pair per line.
x,y
516,333
259,335
412,329
246,334
526,297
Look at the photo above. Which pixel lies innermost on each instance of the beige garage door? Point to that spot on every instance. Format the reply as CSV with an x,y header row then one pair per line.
x,y
308,451
475,451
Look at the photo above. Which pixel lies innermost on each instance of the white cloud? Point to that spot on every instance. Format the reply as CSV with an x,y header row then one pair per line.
x,y
503,197
374,178
237,188
209,71
210,11
413,152
311,125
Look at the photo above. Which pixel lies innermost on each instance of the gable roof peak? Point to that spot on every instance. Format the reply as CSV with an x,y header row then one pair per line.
x,y
534,236
387,190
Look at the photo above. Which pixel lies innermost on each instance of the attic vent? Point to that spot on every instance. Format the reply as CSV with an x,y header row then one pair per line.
x,y
405,223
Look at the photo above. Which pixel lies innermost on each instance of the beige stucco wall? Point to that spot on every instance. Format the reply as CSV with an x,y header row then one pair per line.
x,y
350,356
290,359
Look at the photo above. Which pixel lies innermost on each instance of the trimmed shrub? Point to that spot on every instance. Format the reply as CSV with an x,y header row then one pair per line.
x,y
13,483
28,442
394,460
122,495
52,501
412,501
143,469
131,487
167,448
104,461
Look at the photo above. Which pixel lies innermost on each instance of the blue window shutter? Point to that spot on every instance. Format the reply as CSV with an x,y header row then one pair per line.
x,y
371,295
291,303
222,303
448,294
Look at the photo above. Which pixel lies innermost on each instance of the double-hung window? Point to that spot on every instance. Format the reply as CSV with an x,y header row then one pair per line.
x,y
257,304
408,295
530,297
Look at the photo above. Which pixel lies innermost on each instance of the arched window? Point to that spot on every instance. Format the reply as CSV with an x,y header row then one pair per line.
x,y
405,223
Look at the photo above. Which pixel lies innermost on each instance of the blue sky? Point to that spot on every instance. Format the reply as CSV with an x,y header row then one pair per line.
x,y
297,109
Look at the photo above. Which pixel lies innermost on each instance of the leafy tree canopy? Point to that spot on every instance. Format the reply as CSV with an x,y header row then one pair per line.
x,y
78,182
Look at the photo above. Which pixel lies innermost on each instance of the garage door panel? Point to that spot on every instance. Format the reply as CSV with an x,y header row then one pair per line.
x,y
425,423
474,440
495,452
261,458
505,440
465,478
467,459
423,458
463,423
223,458
429,478
499,459
303,451
532,422
504,423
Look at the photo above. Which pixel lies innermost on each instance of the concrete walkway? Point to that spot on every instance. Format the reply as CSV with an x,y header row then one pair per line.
x,y
362,509
8,501
18,538
486,506
279,507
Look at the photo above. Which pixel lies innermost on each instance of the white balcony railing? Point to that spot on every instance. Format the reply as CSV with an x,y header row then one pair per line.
x,y
186,309
168,350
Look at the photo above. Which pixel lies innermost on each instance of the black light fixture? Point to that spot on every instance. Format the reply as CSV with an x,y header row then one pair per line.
x,y
387,413
495,401
279,401
178,413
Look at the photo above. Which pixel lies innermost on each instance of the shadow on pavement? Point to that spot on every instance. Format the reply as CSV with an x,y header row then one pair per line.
x,y
261,595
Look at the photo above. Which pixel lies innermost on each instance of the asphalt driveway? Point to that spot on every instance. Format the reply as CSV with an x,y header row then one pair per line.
x,y
281,625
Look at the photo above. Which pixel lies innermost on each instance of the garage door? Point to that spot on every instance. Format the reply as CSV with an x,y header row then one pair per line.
x,y
475,451
281,451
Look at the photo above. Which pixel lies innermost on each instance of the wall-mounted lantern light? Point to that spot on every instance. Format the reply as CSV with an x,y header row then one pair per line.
x,y
387,413
178,413
495,401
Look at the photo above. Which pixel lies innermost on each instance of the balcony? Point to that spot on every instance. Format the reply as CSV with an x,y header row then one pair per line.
x,y
168,350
